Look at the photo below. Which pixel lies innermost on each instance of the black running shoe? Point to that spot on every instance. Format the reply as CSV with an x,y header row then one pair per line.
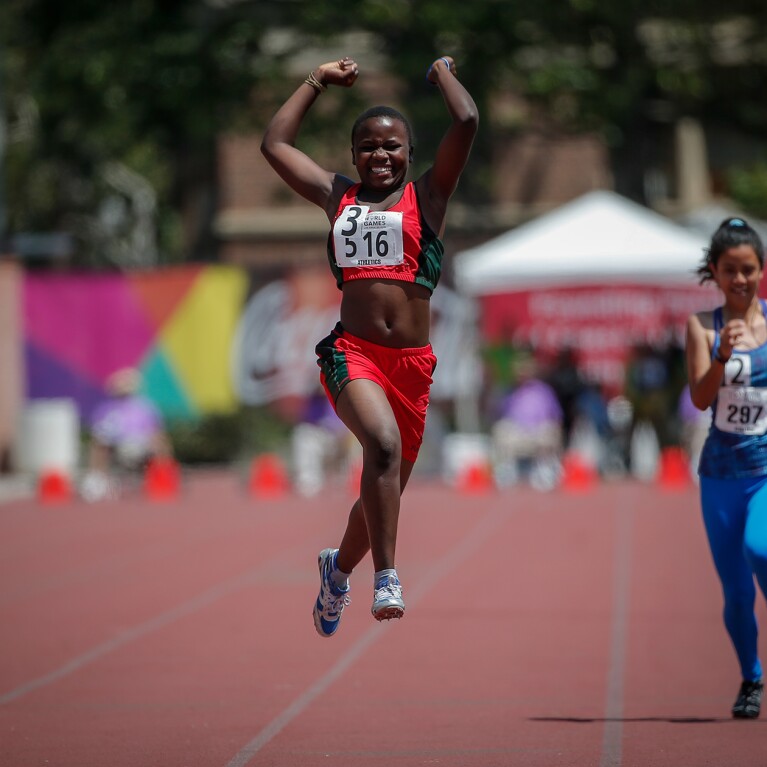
x,y
749,700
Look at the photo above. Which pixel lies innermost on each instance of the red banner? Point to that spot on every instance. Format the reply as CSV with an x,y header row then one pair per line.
x,y
602,323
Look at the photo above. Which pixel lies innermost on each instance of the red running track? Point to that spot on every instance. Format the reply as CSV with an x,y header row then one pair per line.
x,y
541,630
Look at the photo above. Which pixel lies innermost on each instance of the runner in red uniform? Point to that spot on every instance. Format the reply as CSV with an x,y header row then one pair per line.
x,y
385,251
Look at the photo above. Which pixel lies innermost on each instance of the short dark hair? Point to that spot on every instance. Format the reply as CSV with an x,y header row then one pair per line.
x,y
732,232
383,111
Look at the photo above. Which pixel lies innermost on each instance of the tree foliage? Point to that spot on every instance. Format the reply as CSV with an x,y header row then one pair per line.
x,y
144,86
138,91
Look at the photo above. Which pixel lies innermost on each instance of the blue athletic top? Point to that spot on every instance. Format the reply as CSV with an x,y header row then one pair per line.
x,y
734,447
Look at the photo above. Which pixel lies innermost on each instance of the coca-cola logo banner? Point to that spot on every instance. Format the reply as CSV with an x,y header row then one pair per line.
x,y
273,350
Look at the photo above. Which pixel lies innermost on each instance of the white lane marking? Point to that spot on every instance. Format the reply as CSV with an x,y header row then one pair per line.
x,y
490,522
612,739
125,637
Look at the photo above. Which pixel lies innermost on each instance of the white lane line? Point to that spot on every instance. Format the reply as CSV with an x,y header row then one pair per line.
x,y
490,522
137,632
612,739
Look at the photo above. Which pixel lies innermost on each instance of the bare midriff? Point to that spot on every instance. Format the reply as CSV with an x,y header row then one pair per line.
x,y
387,312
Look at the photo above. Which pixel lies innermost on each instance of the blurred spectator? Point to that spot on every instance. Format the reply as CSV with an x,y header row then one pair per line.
x,y
649,388
620,416
321,445
591,406
568,383
125,432
527,438
591,433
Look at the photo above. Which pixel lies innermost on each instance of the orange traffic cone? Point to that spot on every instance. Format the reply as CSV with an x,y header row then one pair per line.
x,y
53,486
578,476
475,479
268,477
162,479
673,469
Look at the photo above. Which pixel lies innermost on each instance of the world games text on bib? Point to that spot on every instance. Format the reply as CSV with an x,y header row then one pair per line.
x,y
364,238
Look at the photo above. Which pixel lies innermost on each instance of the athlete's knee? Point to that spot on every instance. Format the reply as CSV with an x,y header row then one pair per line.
x,y
384,451
739,600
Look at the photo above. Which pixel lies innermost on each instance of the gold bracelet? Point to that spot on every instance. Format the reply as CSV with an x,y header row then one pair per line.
x,y
315,83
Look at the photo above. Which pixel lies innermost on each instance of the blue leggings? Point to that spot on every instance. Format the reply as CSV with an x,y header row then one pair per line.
x,y
735,516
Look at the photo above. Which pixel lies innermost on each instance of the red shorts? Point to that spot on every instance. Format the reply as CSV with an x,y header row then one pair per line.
x,y
403,374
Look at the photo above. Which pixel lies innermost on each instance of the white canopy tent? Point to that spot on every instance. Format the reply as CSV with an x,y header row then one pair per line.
x,y
601,275
598,238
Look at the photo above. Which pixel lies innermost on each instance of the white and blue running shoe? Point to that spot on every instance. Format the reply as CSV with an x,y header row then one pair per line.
x,y
331,600
387,599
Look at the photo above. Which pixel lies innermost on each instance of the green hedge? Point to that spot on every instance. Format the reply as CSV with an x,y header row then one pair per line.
x,y
228,438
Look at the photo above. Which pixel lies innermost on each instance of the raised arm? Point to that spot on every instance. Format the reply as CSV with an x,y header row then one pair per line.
x,y
441,180
297,169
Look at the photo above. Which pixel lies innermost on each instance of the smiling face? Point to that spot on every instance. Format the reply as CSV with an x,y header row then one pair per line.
x,y
381,152
738,273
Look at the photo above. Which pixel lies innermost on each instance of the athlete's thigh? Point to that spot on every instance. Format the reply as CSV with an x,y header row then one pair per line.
x,y
756,522
724,506
362,405
756,533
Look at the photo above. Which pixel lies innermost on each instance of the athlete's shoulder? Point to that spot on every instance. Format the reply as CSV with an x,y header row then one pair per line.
x,y
344,190
703,319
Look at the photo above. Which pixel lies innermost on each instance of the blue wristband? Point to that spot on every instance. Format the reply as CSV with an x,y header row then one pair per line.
x,y
447,64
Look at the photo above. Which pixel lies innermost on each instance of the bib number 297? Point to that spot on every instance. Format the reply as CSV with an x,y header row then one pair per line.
x,y
742,410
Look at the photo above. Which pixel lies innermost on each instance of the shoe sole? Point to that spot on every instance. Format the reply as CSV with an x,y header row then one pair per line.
x,y
387,613
318,626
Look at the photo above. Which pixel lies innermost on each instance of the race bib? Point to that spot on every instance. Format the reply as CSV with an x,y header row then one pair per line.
x,y
364,238
737,371
742,410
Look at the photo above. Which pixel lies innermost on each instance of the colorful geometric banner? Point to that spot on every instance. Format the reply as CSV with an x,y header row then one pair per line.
x,y
174,325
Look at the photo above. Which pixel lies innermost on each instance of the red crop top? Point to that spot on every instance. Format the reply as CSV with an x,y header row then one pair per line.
x,y
393,244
